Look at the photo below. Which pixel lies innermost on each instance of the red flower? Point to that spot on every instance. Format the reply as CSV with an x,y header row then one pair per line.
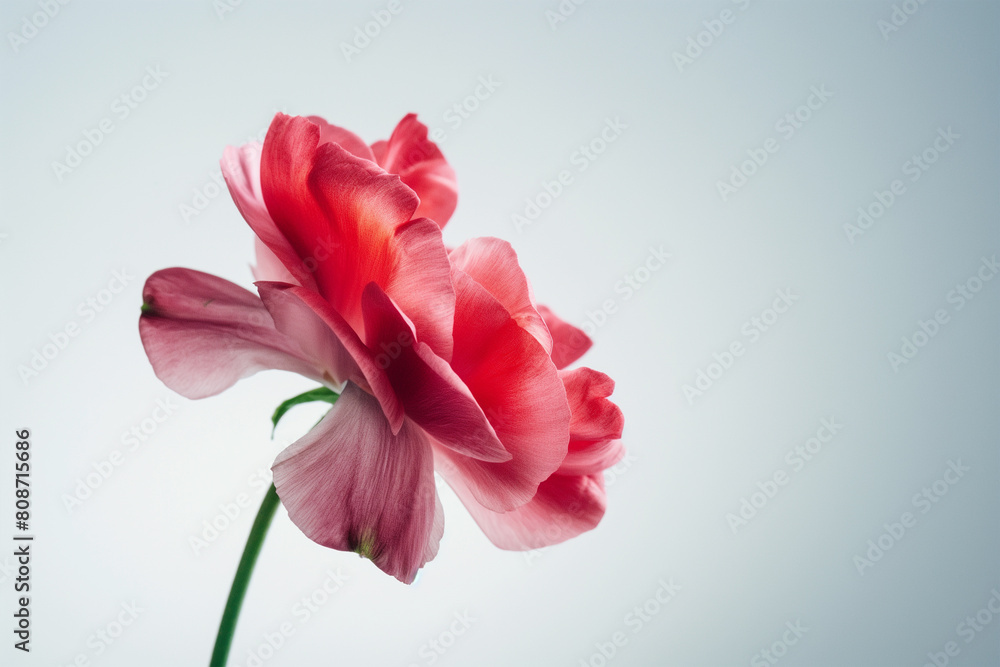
x,y
442,358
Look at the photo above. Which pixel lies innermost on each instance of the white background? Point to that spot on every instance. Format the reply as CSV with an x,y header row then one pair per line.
x,y
691,462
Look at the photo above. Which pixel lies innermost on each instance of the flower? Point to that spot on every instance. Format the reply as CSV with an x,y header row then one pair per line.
x,y
442,358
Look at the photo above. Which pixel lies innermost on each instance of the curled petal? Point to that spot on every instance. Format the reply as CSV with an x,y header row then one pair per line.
x,y
514,381
345,138
422,167
351,485
596,425
594,416
430,392
587,457
421,284
338,211
564,507
493,264
568,342
350,222
203,333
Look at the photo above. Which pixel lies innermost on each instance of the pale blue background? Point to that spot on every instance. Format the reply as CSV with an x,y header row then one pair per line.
x,y
654,186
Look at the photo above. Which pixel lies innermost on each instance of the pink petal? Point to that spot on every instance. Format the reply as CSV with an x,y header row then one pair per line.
x,y
437,530
316,338
269,267
493,264
564,507
420,164
322,332
241,169
594,416
351,485
568,342
202,334
348,140
516,384
430,392
587,457
596,425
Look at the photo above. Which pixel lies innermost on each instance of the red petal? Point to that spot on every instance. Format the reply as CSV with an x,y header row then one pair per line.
x,y
421,284
596,425
568,342
347,219
422,167
431,394
587,457
348,140
351,485
594,417
518,387
493,264
202,334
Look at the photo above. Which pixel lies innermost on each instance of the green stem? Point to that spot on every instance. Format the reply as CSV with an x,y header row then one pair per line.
x,y
227,628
